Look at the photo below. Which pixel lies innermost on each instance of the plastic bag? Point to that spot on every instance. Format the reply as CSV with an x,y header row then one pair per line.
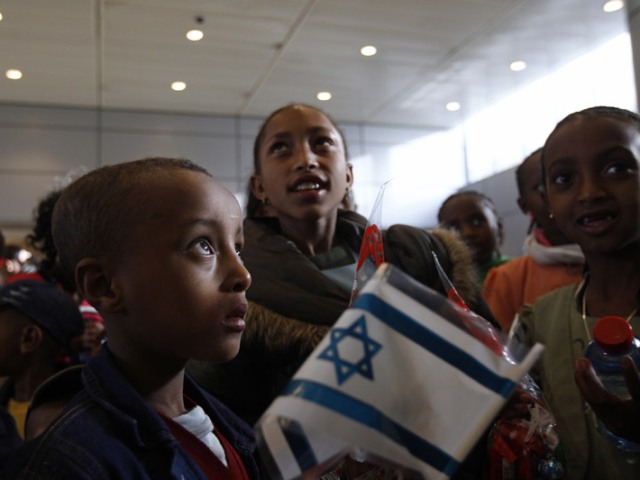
x,y
371,254
525,447
519,448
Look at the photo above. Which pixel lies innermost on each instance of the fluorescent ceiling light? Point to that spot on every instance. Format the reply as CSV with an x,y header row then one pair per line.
x,y
368,50
453,106
13,74
195,35
518,65
613,6
178,86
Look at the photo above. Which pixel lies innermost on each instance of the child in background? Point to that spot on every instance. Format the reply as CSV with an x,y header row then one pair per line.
x,y
474,216
550,260
591,165
37,323
155,246
41,239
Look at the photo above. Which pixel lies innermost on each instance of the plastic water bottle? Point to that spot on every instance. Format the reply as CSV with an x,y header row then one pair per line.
x,y
613,340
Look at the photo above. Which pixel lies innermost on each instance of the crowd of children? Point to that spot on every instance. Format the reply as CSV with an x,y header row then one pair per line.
x,y
188,356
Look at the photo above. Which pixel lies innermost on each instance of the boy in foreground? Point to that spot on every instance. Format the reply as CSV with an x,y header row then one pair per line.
x,y
154,246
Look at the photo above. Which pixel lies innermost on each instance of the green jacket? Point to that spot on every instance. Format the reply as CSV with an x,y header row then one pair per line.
x,y
555,321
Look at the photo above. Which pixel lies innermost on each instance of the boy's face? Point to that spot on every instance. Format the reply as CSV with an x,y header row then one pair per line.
x,y
593,185
476,223
181,277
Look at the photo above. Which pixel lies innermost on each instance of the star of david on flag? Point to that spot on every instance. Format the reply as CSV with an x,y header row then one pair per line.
x,y
364,350
395,378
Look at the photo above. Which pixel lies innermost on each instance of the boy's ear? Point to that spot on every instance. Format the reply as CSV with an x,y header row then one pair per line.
x,y
30,338
95,284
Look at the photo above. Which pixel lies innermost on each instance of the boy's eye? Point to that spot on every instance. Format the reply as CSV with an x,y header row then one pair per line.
x,y
204,247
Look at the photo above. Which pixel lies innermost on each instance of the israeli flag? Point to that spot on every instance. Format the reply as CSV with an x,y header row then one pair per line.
x,y
395,382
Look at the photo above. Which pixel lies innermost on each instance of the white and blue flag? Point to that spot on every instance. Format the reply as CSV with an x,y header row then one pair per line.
x,y
395,379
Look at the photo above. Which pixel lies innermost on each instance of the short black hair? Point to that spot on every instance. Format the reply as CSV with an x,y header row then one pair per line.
x,y
260,136
94,213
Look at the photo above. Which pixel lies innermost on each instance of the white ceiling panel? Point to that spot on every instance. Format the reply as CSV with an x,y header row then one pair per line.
x,y
260,54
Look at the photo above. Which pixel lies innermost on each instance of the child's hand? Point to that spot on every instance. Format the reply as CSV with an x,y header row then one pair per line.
x,y
620,416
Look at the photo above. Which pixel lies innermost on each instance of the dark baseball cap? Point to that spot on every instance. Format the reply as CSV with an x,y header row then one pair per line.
x,y
46,305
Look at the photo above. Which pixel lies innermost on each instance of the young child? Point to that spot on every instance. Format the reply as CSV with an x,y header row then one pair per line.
x,y
591,164
550,260
49,270
155,246
37,324
475,217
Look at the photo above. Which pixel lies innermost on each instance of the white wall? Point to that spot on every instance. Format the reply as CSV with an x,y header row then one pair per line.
x,y
41,146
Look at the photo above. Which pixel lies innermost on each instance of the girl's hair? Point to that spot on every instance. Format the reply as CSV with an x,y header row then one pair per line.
x,y
263,127
469,193
593,112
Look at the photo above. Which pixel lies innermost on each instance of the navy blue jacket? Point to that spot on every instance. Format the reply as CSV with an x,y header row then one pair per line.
x,y
107,431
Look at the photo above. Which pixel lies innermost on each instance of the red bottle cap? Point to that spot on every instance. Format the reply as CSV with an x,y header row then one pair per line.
x,y
613,334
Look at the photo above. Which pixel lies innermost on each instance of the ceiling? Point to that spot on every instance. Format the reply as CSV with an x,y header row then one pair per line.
x,y
258,55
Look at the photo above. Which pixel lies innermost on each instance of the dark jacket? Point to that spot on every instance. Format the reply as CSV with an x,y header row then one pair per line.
x,y
107,431
293,304
9,436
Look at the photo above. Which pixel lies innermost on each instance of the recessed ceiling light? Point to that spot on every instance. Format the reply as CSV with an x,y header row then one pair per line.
x,y
178,86
518,65
323,96
1,16
368,50
613,6
195,35
453,106
13,74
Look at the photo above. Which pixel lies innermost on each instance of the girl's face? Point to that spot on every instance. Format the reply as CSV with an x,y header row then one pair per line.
x,y
304,174
592,182
477,224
